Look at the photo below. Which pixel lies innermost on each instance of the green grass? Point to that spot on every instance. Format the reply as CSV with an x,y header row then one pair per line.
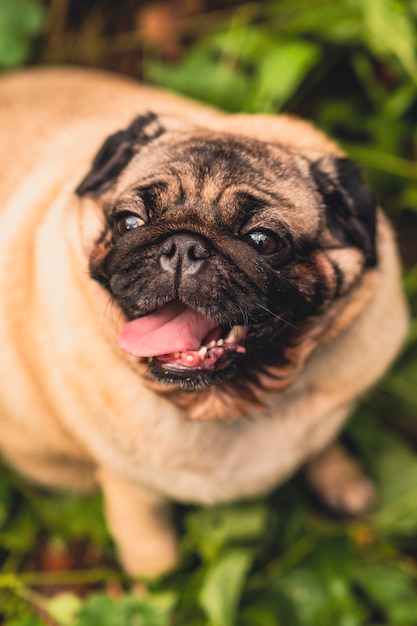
x,y
351,67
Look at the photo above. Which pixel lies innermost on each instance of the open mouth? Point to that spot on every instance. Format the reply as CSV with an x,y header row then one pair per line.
x,y
180,340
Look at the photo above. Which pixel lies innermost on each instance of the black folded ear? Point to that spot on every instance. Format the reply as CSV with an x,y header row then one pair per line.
x,y
349,204
116,152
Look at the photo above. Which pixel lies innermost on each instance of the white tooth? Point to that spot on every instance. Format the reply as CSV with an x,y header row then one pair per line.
x,y
202,353
236,334
211,344
220,342
240,332
231,338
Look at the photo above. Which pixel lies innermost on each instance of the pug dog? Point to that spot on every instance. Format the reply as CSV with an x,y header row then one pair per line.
x,y
191,302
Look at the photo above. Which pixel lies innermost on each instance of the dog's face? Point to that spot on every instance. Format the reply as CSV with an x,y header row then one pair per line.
x,y
222,250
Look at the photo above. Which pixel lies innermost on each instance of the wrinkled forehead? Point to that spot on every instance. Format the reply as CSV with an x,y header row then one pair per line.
x,y
218,171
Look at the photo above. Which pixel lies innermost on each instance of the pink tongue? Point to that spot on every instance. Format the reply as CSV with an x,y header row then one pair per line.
x,y
173,328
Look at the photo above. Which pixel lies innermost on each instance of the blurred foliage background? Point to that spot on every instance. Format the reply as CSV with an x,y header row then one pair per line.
x,y
351,67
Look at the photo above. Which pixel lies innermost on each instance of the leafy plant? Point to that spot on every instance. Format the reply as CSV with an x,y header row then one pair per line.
x,y
21,21
351,67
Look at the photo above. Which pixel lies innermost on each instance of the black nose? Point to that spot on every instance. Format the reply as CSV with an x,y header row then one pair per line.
x,y
184,254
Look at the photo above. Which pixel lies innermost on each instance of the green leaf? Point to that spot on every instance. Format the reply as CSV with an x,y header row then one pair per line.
x,y
72,516
320,588
383,161
222,587
20,22
398,102
214,528
204,77
130,610
338,22
282,72
394,465
391,590
388,29
397,473
245,43
63,608
20,537
269,607
317,600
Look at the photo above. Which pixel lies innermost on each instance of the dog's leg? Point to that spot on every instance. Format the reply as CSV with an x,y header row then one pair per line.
x,y
340,482
139,522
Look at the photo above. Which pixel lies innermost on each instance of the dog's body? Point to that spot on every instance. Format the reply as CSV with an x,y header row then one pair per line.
x,y
75,409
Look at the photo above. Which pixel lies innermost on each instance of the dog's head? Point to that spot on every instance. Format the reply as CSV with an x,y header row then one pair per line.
x,y
225,253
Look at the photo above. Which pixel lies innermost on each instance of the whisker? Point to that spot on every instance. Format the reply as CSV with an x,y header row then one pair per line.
x,y
245,316
108,305
279,317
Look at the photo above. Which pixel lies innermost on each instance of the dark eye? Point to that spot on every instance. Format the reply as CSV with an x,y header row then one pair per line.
x,y
126,223
263,242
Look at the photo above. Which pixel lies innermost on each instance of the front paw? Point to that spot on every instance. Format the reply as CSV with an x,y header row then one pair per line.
x,y
150,557
138,519
340,482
